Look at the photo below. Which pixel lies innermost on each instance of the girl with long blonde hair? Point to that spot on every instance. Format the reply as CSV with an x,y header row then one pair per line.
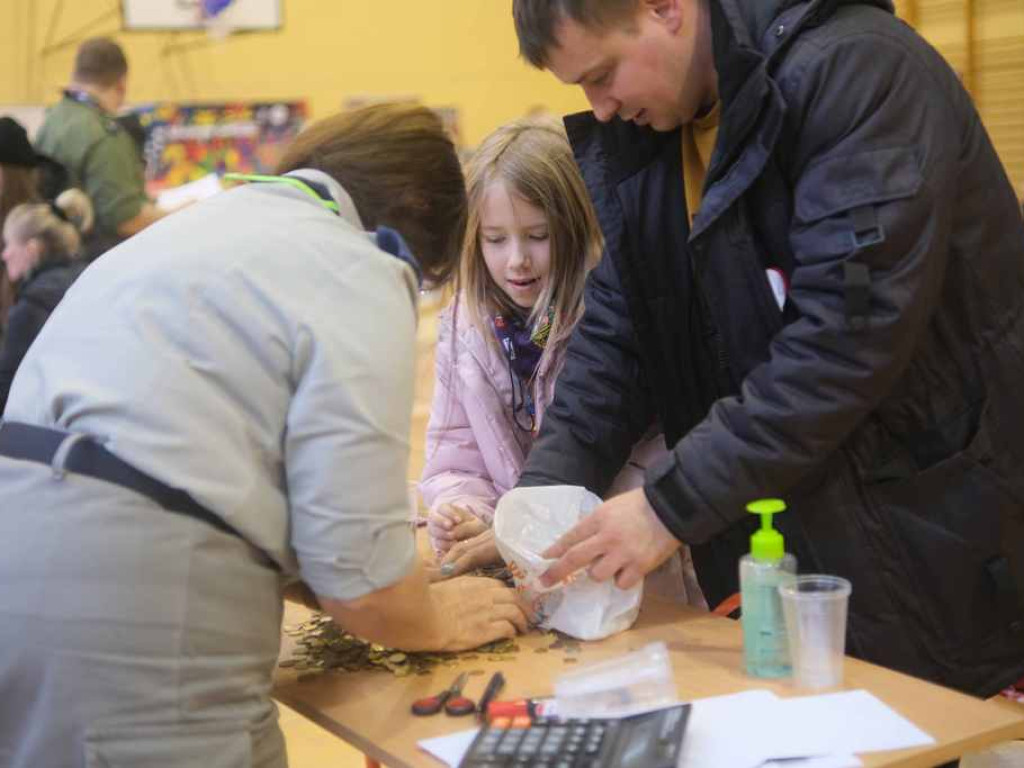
x,y
531,239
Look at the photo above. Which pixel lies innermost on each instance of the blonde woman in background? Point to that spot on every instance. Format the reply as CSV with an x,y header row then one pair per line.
x,y
42,243
531,239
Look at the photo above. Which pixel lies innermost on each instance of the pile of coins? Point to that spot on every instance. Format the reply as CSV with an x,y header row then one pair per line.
x,y
323,645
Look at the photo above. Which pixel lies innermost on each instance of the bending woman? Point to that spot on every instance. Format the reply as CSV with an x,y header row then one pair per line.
x,y
220,409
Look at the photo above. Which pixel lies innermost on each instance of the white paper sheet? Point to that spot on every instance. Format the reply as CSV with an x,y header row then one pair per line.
x,y
200,189
828,761
751,729
848,722
449,749
728,731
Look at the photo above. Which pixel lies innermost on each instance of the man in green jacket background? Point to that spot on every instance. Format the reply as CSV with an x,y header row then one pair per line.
x,y
99,155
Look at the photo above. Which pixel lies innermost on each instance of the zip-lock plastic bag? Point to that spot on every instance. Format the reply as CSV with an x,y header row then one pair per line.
x,y
529,520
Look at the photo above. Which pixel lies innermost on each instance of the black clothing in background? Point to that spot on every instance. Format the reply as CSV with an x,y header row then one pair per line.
x,y
37,299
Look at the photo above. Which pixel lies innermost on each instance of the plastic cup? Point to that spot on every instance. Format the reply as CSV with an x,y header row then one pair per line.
x,y
815,612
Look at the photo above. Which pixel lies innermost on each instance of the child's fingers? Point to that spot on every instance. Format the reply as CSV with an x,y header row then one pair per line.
x,y
468,529
442,519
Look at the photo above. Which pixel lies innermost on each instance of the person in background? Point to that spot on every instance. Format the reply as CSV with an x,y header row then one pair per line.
x,y
814,280
532,238
219,410
42,246
19,183
81,132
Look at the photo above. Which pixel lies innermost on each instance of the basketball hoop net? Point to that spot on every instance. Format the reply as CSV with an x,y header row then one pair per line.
x,y
213,16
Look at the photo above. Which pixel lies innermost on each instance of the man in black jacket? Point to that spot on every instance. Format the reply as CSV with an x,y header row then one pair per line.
x,y
827,306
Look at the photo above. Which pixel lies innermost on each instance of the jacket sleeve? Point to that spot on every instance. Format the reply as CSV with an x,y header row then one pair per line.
x,y
23,325
455,471
873,159
600,409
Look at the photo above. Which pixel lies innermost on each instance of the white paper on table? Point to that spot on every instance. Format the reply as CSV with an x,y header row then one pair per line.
x,y
200,189
826,761
752,728
729,731
449,749
845,723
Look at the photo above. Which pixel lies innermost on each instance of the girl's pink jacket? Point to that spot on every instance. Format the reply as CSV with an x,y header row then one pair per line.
x,y
475,452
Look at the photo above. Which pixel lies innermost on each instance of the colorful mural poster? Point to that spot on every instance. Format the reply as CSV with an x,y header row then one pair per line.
x,y
185,142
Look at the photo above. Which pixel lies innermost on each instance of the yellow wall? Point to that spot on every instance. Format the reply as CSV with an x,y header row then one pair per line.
x,y
447,52
998,63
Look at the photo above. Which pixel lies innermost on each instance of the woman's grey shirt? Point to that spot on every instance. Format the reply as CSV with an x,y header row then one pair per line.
x,y
257,351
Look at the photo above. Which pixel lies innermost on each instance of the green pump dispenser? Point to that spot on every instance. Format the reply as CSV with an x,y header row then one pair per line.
x,y
765,650
767,543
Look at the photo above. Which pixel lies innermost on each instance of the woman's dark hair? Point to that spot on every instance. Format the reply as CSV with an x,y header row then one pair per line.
x,y
401,170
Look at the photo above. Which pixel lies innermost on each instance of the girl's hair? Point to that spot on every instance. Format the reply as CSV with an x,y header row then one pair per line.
x,y
401,170
534,161
58,227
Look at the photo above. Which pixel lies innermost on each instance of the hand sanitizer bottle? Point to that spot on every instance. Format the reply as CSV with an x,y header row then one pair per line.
x,y
765,649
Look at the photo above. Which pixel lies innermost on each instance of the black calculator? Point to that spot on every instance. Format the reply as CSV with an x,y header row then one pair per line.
x,y
651,740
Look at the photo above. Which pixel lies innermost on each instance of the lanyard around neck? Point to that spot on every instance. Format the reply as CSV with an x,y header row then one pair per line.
x,y
325,200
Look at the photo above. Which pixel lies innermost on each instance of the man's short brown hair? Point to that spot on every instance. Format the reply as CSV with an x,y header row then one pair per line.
x,y
100,61
401,170
537,22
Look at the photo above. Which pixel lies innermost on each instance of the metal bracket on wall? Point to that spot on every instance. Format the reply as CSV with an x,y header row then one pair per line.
x,y
51,46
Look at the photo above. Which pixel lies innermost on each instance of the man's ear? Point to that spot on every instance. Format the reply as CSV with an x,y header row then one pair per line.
x,y
667,12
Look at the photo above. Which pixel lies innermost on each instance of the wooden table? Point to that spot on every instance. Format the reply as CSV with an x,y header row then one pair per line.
x,y
370,710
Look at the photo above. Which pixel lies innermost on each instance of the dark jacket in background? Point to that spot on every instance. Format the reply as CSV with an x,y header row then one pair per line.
x,y
883,403
37,299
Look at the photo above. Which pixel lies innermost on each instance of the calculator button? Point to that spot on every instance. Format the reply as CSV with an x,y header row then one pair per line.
x,y
508,745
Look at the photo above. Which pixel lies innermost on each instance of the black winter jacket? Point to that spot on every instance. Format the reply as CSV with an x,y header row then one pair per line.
x,y
883,402
37,298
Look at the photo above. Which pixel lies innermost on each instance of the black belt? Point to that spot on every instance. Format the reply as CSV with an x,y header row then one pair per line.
x,y
85,456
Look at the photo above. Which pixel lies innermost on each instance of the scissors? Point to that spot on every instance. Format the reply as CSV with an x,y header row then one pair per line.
x,y
449,699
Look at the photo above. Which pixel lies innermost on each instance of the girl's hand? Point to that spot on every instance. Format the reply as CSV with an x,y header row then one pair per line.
x,y
448,524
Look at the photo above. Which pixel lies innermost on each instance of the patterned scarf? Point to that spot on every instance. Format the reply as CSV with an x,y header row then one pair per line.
x,y
523,349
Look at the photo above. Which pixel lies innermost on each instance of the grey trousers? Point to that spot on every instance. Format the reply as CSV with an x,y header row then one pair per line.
x,y
129,635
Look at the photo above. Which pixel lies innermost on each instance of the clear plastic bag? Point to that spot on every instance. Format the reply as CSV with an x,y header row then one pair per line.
x,y
639,681
529,520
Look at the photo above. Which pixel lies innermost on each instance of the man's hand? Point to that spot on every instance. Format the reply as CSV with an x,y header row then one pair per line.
x,y
622,539
468,555
448,524
476,611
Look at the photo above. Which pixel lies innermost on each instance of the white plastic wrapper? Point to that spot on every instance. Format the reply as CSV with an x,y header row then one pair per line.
x,y
527,522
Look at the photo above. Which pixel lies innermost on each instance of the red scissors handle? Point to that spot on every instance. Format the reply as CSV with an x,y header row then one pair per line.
x,y
431,705
459,706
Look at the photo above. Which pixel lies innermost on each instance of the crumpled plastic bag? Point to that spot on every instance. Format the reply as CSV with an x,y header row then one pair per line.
x,y
529,520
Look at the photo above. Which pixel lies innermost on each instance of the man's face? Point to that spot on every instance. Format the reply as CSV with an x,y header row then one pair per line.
x,y
657,71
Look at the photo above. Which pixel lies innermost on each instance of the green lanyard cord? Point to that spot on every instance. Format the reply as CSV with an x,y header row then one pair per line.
x,y
291,181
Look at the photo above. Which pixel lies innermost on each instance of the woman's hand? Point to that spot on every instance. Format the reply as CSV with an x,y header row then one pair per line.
x,y
465,556
449,524
476,611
